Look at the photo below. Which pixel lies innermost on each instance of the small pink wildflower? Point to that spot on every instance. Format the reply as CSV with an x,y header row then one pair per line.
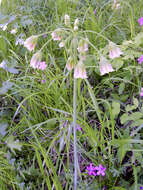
x,y
91,170
141,93
140,21
140,60
83,47
41,65
100,170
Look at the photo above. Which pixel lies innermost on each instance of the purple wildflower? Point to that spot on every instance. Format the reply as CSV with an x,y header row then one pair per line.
x,y
91,170
141,187
94,12
140,21
100,170
140,60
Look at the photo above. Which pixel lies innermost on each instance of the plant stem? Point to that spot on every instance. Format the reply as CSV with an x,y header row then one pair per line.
x,y
74,132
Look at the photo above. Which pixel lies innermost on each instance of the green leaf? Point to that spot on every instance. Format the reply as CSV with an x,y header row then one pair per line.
x,y
117,64
124,118
12,144
3,127
115,108
121,88
135,116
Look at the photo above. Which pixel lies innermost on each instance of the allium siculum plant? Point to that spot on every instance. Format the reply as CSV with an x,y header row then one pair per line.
x,y
76,47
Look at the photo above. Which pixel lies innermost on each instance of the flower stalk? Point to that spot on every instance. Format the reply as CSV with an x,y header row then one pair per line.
x,y
74,133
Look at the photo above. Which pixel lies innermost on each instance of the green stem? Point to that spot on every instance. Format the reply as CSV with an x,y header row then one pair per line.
x,y
74,132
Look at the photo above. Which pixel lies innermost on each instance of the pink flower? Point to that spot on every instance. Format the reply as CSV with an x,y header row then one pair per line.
x,y
100,170
31,42
105,66
79,71
114,51
91,170
41,65
36,58
140,60
56,35
140,21
141,93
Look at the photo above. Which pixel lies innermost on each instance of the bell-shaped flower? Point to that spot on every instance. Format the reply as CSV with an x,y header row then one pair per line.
x,y
35,60
80,71
105,66
114,50
67,20
70,64
31,42
56,35
82,47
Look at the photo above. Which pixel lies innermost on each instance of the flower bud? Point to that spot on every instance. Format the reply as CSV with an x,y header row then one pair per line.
x,y
67,20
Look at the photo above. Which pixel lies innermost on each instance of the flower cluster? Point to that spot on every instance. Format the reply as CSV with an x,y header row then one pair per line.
x,y
141,93
96,170
82,48
140,21
140,60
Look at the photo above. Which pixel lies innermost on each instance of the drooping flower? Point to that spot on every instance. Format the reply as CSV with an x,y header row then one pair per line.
x,y
105,66
80,71
31,42
114,50
91,170
100,170
140,21
36,58
140,60
67,20
70,63
82,47
76,23
56,35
